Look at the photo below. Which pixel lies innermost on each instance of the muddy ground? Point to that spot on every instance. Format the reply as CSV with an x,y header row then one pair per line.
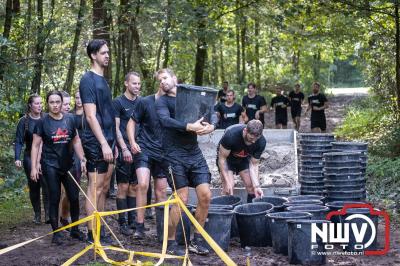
x,y
42,252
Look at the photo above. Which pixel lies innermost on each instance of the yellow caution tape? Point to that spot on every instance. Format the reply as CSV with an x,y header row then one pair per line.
x,y
133,209
77,255
225,258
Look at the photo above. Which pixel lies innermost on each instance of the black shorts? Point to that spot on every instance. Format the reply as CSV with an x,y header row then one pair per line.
x,y
94,156
237,165
281,119
296,112
189,170
155,165
125,172
318,120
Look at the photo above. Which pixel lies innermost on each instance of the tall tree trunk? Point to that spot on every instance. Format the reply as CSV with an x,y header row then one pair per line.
x,y
316,65
243,32
397,22
201,50
74,48
140,53
257,50
39,50
295,64
6,35
101,30
214,68
238,75
221,60
166,34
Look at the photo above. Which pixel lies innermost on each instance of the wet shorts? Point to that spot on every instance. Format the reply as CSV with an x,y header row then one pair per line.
x,y
318,120
94,157
237,165
281,119
155,165
125,172
189,170
296,112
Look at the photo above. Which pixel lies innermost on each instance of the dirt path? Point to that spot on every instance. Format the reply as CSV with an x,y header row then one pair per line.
x,y
42,252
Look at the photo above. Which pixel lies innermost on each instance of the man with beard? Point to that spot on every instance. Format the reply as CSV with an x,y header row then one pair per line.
x,y
254,104
124,106
239,152
186,161
317,103
230,113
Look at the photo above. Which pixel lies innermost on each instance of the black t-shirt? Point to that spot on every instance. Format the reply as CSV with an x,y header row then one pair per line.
x,y
124,109
296,99
229,115
79,122
222,95
233,140
252,105
94,89
176,140
24,134
150,135
57,136
317,100
277,102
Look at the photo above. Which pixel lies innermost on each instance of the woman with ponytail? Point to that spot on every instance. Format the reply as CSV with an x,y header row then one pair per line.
x,y
24,136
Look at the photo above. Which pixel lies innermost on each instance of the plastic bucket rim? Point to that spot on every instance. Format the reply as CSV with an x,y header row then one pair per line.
x,y
255,213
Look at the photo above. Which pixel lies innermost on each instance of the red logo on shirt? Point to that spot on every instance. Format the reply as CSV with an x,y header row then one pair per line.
x,y
241,154
61,135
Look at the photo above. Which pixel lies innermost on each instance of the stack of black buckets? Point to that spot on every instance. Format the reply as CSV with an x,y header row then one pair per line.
x,y
312,148
344,170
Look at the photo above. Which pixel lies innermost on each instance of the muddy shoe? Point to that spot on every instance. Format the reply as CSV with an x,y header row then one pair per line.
x,y
77,234
37,219
64,222
132,225
196,246
139,234
148,214
58,238
174,249
3,245
125,230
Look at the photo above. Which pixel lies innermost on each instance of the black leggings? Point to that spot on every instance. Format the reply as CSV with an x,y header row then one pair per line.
x,y
34,187
54,177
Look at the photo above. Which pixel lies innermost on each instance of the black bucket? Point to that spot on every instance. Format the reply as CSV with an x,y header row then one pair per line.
x,y
252,224
315,188
342,177
318,212
194,102
228,200
311,178
316,168
315,147
309,183
317,136
302,202
304,197
342,170
277,202
359,221
279,229
344,187
341,156
311,163
218,226
314,152
311,158
350,146
316,142
312,192
179,236
350,182
342,164
312,173
301,249
344,193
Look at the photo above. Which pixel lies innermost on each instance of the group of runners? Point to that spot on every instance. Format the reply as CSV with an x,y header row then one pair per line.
x,y
254,106
142,138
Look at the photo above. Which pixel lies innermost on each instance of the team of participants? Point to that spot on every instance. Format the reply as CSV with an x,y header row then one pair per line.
x,y
140,138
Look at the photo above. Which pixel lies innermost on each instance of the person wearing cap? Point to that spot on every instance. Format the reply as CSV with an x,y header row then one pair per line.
x,y
239,152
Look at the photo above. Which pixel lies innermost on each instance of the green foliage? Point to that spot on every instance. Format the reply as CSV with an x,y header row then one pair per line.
x,y
368,120
15,209
383,183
